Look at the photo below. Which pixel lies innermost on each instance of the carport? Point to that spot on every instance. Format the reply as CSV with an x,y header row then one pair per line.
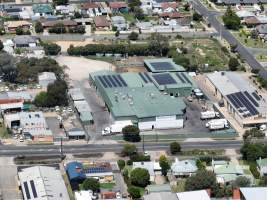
x,y
76,134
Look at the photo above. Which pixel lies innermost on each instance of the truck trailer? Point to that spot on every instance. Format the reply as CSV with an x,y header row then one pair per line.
x,y
116,127
210,114
217,124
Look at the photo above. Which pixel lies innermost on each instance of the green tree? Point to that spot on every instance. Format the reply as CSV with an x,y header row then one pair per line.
x,y
252,152
134,3
39,27
117,34
91,184
230,19
253,133
138,13
175,148
233,64
158,45
140,177
7,67
51,49
131,133
57,93
129,150
19,31
77,15
121,164
164,164
201,180
133,36
134,192
241,181
60,2
41,100
1,45
197,17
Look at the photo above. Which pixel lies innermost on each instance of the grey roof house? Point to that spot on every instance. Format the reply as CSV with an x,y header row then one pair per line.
x,y
46,78
119,22
183,167
25,41
253,193
152,167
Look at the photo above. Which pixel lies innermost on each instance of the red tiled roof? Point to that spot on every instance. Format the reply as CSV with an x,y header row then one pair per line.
x,y
65,22
5,101
236,194
115,5
252,20
90,5
173,15
108,195
166,5
101,21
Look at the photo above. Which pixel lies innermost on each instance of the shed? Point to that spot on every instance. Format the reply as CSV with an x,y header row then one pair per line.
x,y
46,78
75,174
76,133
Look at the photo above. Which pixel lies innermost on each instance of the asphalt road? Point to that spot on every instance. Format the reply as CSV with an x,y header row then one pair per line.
x,y
226,34
9,150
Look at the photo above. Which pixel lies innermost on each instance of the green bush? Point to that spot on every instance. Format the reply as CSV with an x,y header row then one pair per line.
x,y
254,170
140,177
139,158
134,192
131,133
121,164
175,148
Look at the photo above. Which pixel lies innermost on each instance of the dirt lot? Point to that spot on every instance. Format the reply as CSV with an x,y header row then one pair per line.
x,y
79,67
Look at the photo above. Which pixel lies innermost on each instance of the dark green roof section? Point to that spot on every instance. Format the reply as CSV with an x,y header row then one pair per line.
x,y
162,65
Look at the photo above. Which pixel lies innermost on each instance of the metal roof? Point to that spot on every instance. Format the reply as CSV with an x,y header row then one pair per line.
x,y
253,193
199,195
76,94
162,65
42,183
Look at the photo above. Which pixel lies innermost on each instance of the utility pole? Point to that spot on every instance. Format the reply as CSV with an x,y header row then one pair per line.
x,y
143,143
61,148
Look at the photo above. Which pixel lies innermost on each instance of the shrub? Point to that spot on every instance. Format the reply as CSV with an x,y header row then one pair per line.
x,y
140,177
175,147
254,170
129,150
131,133
134,192
121,164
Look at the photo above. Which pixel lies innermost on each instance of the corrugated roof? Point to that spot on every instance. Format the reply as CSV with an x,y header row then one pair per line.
x,y
101,21
254,193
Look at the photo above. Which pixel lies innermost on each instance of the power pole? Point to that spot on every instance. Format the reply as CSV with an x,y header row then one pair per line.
x,y
143,143
61,148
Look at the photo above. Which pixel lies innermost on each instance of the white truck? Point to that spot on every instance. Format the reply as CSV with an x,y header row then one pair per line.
x,y
116,127
210,114
217,124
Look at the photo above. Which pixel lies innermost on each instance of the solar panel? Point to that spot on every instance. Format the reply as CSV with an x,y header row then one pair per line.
x,y
246,103
233,101
117,80
107,81
33,189
251,99
162,65
111,80
142,76
122,81
186,78
27,190
102,81
164,79
148,77
256,96
180,78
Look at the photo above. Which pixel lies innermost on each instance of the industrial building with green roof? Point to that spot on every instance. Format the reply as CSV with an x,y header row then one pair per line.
x,y
138,97
157,65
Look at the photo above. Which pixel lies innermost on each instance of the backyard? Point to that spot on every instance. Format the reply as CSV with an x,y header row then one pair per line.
x,y
249,42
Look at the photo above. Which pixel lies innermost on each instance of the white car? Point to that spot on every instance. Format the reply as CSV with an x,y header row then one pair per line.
x,y
263,127
118,195
69,110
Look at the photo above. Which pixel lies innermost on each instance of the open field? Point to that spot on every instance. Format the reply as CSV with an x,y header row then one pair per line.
x,y
249,42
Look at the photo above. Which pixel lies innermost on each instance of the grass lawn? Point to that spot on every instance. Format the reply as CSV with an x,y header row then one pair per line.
x,y
205,51
4,133
107,185
129,17
249,42
180,187
261,57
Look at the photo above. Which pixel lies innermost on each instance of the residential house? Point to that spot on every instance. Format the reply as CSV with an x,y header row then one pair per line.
x,y
183,168
42,9
75,174
161,196
262,19
144,26
169,7
93,9
119,22
46,78
197,195
261,30
10,10
262,166
158,188
78,172
171,15
11,26
251,21
253,193
25,41
66,22
11,105
76,134
32,124
152,167
65,9
84,195
118,7
226,172
108,195
42,182
242,14
101,23
147,6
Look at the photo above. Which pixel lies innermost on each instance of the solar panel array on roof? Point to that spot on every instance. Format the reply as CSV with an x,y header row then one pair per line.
x,y
242,104
26,188
162,66
97,170
186,78
256,96
251,99
109,81
33,189
145,77
164,79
